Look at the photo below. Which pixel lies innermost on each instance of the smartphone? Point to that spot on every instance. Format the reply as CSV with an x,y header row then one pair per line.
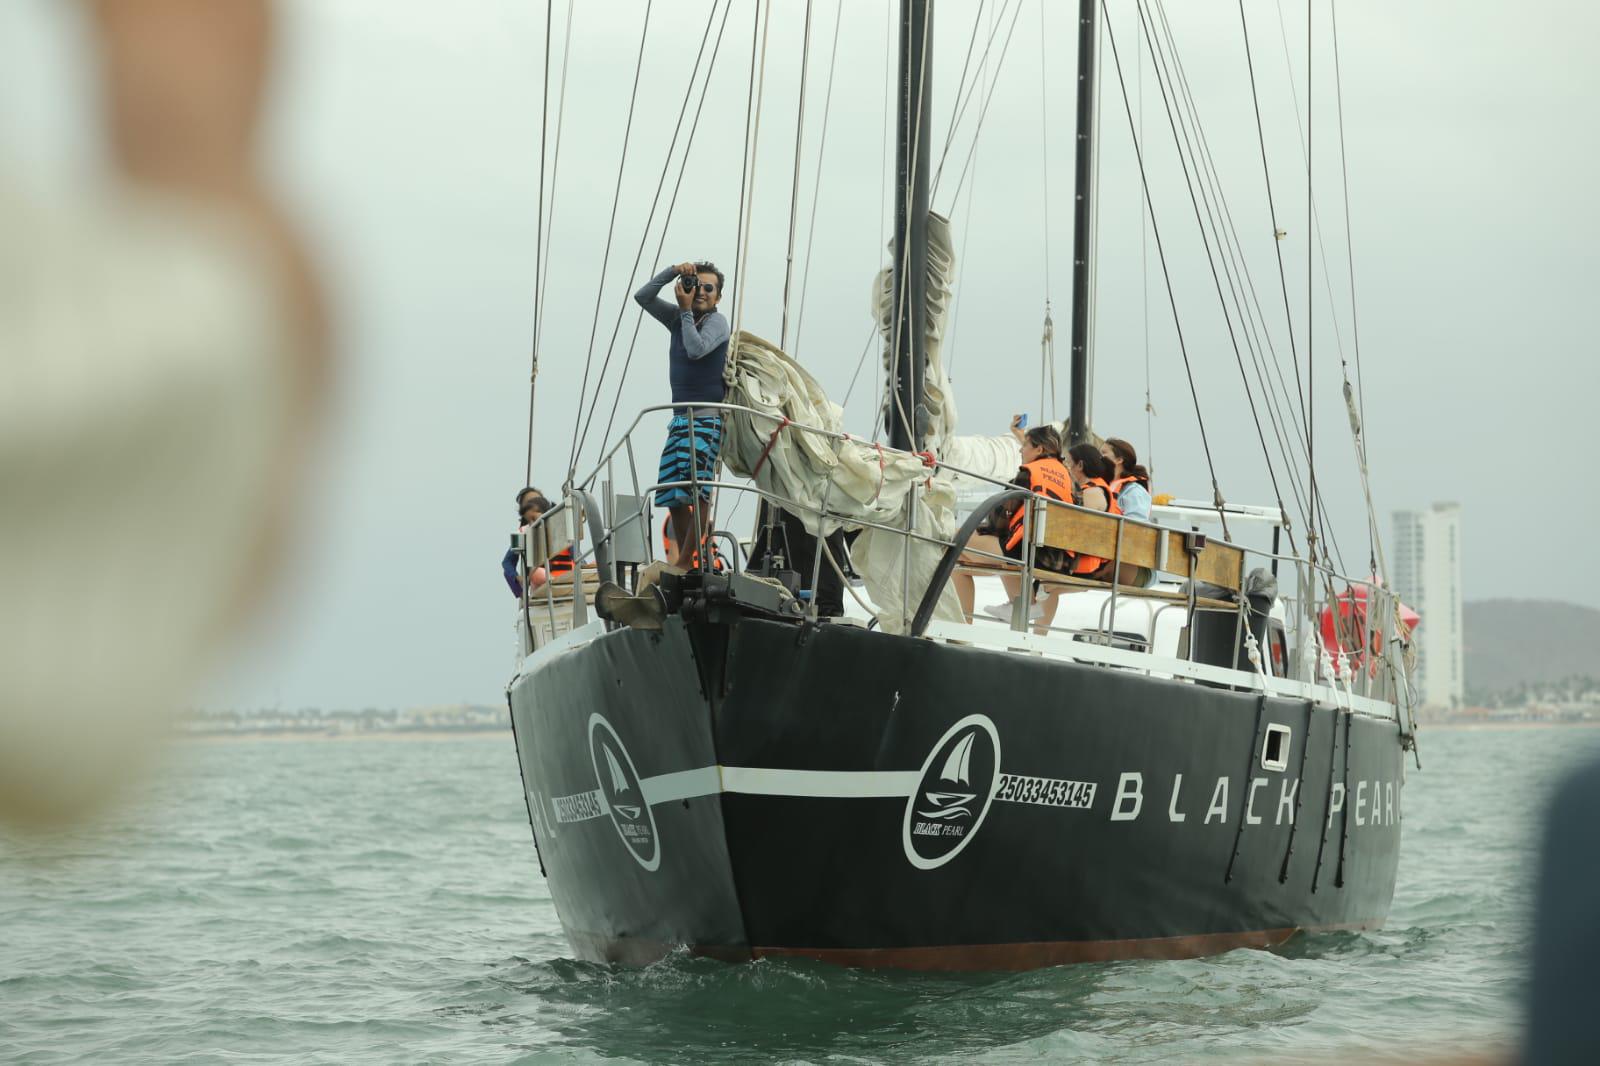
x,y
1022,421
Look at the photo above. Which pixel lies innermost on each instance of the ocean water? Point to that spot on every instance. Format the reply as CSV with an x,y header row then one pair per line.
x,y
379,900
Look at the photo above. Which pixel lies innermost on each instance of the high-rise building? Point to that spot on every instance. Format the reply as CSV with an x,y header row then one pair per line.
x,y
1427,575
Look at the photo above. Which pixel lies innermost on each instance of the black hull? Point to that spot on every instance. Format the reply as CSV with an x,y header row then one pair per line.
x,y
759,788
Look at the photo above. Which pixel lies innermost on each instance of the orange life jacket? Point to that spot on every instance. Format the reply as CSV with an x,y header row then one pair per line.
x,y
1118,483
1047,477
1088,564
717,565
561,561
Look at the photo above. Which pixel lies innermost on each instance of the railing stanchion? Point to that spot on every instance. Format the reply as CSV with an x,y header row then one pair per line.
x,y
816,554
1116,579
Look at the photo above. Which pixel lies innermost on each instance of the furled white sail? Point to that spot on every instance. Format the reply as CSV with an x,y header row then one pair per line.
x,y
856,477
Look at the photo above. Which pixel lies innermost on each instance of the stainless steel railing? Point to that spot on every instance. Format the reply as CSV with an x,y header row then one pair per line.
x,y
1367,641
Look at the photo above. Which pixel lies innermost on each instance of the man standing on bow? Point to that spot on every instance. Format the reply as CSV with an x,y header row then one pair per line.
x,y
698,353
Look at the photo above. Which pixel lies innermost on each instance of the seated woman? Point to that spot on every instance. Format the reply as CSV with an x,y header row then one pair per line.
x,y
1130,482
1042,473
1130,486
1088,470
531,506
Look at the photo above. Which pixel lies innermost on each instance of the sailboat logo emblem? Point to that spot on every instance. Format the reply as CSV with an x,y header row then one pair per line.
x,y
953,793
624,796
957,773
619,788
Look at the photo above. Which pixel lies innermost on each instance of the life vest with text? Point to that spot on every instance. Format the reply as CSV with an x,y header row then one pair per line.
x,y
1047,477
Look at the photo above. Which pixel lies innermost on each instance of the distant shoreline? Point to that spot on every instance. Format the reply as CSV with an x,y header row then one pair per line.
x,y
1427,727
375,734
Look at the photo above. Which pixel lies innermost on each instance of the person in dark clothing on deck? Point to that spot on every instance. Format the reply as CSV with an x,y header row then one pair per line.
x,y
698,353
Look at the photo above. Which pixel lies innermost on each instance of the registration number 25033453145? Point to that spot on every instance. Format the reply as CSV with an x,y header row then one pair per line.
x,y
1045,791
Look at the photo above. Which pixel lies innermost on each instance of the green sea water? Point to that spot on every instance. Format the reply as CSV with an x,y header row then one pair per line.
x,y
378,900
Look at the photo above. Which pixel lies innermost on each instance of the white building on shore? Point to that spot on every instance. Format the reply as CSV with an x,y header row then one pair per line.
x,y
1427,575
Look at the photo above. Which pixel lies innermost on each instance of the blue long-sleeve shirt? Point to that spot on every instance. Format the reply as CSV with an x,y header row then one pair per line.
x,y
699,348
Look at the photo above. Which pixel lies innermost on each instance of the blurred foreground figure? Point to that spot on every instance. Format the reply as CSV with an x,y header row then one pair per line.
x,y
1561,1030
161,356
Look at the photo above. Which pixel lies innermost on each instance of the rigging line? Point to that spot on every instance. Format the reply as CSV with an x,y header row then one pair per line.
x,y
983,63
816,183
966,232
794,189
605,259
871,332
1272,211
1313,236
747,207
1235,267
744,166
538,240
957,106
1044,151
644,236
883,191
1144,274
902,255
1158,57
1232,262
1322,248
1374,542
1091,320
555,175
1204,161
1318,507
1256,322
1045,340
961,265
1317,234
1311,335
1161,254
1344,170
677,185
987,100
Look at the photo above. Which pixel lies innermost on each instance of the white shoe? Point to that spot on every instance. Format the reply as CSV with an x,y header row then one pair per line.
x,y
1002,611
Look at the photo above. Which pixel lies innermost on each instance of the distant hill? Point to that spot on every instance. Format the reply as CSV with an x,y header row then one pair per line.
x,y
1513,642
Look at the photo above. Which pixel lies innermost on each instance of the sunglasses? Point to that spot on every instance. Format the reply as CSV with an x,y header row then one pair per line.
x,y
708,289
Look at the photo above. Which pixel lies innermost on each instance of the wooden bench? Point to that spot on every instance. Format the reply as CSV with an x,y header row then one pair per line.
x,y
1152,547
558,590
1067,582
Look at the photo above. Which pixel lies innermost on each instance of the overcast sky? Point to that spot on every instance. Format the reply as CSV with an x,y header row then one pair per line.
x,y
407,137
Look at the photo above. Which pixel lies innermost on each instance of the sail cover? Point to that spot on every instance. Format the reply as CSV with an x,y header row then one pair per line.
x,y
855,478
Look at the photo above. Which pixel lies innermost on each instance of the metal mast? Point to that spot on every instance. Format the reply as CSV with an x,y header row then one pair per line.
x,y
907,415
1082,221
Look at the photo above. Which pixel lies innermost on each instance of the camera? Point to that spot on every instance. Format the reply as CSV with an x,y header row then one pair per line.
x,y
688,281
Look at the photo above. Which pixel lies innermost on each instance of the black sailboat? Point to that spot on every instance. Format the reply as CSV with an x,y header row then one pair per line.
x,y
733,774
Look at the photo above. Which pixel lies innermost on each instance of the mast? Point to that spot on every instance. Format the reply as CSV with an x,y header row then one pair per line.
x,y
1082,221
912,148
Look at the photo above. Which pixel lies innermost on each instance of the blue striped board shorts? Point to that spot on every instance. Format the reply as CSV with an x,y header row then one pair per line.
x,y
706,446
